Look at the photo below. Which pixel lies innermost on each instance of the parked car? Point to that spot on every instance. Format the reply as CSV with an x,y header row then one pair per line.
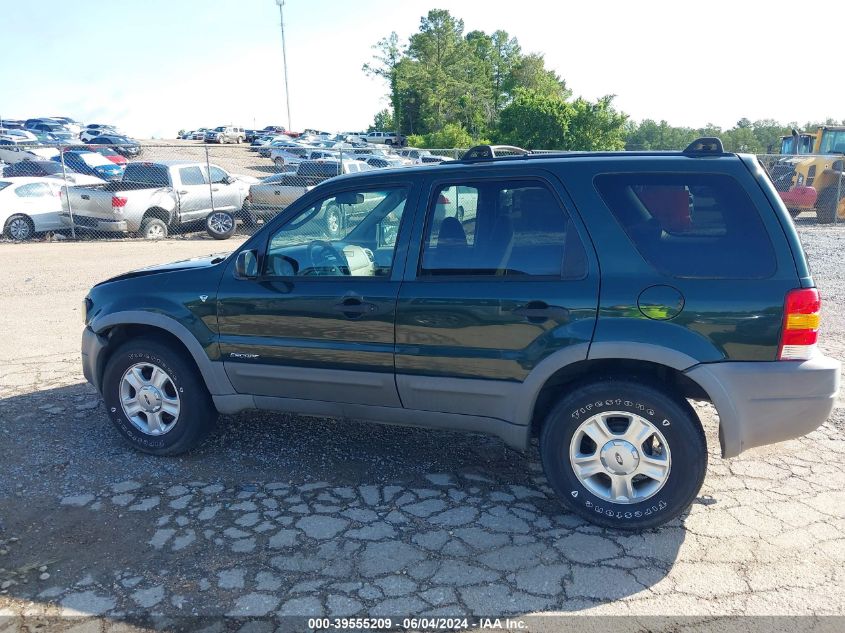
x,y
89,134
377,162
274,193
290,157
12,124
25,135
72,125
44,125
122,145
29,206
91,164
566,309
385,138
199,134
153,198
225,134
108,152
265,150
49,169
14,149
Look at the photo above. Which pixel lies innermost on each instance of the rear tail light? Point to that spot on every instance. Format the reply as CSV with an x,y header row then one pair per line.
x,y
801,319
442,199
118,202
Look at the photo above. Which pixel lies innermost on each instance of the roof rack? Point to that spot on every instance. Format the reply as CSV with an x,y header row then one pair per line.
x,y
705,146
483,152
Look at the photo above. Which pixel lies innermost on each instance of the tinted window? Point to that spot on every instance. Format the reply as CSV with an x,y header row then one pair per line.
x,y
506,229
691,225
191,176
147,173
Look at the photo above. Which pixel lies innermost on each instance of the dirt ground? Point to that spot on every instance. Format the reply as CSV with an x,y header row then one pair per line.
x,y
293,517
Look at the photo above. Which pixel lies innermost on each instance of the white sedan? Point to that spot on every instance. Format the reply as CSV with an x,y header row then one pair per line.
x,y
29,206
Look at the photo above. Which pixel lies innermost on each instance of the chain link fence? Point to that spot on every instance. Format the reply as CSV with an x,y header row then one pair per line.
x,y
195,190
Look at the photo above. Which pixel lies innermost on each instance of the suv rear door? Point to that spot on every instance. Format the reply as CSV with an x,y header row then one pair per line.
x,y
500,280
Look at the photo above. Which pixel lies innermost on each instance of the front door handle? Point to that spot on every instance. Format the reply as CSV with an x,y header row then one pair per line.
x,y
540,312
354,308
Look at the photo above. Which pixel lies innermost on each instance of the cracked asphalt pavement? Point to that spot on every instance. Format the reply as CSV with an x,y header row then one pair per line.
x,y
290,515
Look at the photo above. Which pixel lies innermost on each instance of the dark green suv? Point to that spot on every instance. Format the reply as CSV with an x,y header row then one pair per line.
x,y
582,299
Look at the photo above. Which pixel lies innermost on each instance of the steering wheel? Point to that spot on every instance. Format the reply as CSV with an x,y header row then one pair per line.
x,y
325,256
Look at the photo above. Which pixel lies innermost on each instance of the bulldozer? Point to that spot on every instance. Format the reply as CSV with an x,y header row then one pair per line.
x,y
809,177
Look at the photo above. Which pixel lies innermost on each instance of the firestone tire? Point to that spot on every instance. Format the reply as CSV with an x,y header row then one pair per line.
x,y
562,446
196,414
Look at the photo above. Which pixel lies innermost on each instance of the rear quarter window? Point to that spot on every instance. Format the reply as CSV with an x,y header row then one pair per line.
x,y
691,225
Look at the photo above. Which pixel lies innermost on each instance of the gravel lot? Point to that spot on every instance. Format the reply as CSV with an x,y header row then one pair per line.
x,y
283,515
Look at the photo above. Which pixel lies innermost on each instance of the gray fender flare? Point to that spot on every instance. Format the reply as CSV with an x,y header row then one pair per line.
x,y
213,373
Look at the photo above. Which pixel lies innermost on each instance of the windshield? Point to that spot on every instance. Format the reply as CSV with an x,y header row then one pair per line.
x,y
805,144
4,184
833,142
220,129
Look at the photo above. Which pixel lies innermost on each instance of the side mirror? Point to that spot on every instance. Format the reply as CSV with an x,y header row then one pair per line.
x,y
246,265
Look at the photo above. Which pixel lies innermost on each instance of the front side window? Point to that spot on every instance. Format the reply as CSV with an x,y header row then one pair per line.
x,y
691,225
217,175
191,176
352,233
500,229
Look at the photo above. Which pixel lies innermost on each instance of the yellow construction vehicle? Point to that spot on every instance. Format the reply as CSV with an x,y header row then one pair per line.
x,y
810,176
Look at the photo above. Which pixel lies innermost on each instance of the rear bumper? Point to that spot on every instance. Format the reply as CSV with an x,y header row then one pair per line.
x,y
92,345
94,224
762,403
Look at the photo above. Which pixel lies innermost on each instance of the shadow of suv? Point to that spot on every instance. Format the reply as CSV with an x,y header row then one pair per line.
x,y
579,298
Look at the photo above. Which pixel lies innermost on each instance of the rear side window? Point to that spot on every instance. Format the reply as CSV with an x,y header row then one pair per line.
x,y
147,173
191,176
691,225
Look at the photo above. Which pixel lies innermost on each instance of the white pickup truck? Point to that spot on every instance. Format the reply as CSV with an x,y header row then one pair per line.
x,y
153,198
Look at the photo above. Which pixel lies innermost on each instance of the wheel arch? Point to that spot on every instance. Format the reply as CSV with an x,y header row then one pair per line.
x,y
158,212
658,366
123,326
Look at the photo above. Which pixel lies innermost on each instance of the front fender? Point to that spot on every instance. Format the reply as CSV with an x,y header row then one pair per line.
x,y
212,372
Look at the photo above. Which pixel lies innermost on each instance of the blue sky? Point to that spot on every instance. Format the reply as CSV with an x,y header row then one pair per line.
x,y
155,66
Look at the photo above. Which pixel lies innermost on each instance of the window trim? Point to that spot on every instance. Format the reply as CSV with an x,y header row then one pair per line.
x,y
438,184
689,174
284,217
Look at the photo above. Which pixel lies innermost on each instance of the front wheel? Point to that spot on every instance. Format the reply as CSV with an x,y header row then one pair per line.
x,y
220,225
156,398
624,454
19,228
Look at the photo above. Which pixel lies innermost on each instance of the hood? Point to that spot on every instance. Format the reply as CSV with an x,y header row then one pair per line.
x,y
187,264
250,180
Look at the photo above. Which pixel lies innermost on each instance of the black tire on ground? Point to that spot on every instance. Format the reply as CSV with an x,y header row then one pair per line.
x,y
671,416
334,220
19,227
248,216
826,206
220,225
153,229
197,415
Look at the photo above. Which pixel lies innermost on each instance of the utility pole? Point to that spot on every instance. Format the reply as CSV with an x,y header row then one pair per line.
x,y
281,4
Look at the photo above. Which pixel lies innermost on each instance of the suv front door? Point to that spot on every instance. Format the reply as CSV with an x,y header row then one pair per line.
x,y
193,192
500,282
315,319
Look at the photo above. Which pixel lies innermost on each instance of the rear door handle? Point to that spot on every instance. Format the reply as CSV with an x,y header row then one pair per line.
x,y
540,312
353,307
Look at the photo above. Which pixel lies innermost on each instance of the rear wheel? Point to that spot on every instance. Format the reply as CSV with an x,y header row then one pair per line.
x,y
334,220
156,398
153,229
623,454
220,225
19,227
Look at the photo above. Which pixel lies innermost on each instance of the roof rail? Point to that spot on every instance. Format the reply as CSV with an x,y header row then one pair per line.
x,y
705,146
482,152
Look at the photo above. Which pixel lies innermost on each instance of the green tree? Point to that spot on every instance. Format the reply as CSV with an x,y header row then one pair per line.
x,y
595,126
383,120
535,120
530,72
